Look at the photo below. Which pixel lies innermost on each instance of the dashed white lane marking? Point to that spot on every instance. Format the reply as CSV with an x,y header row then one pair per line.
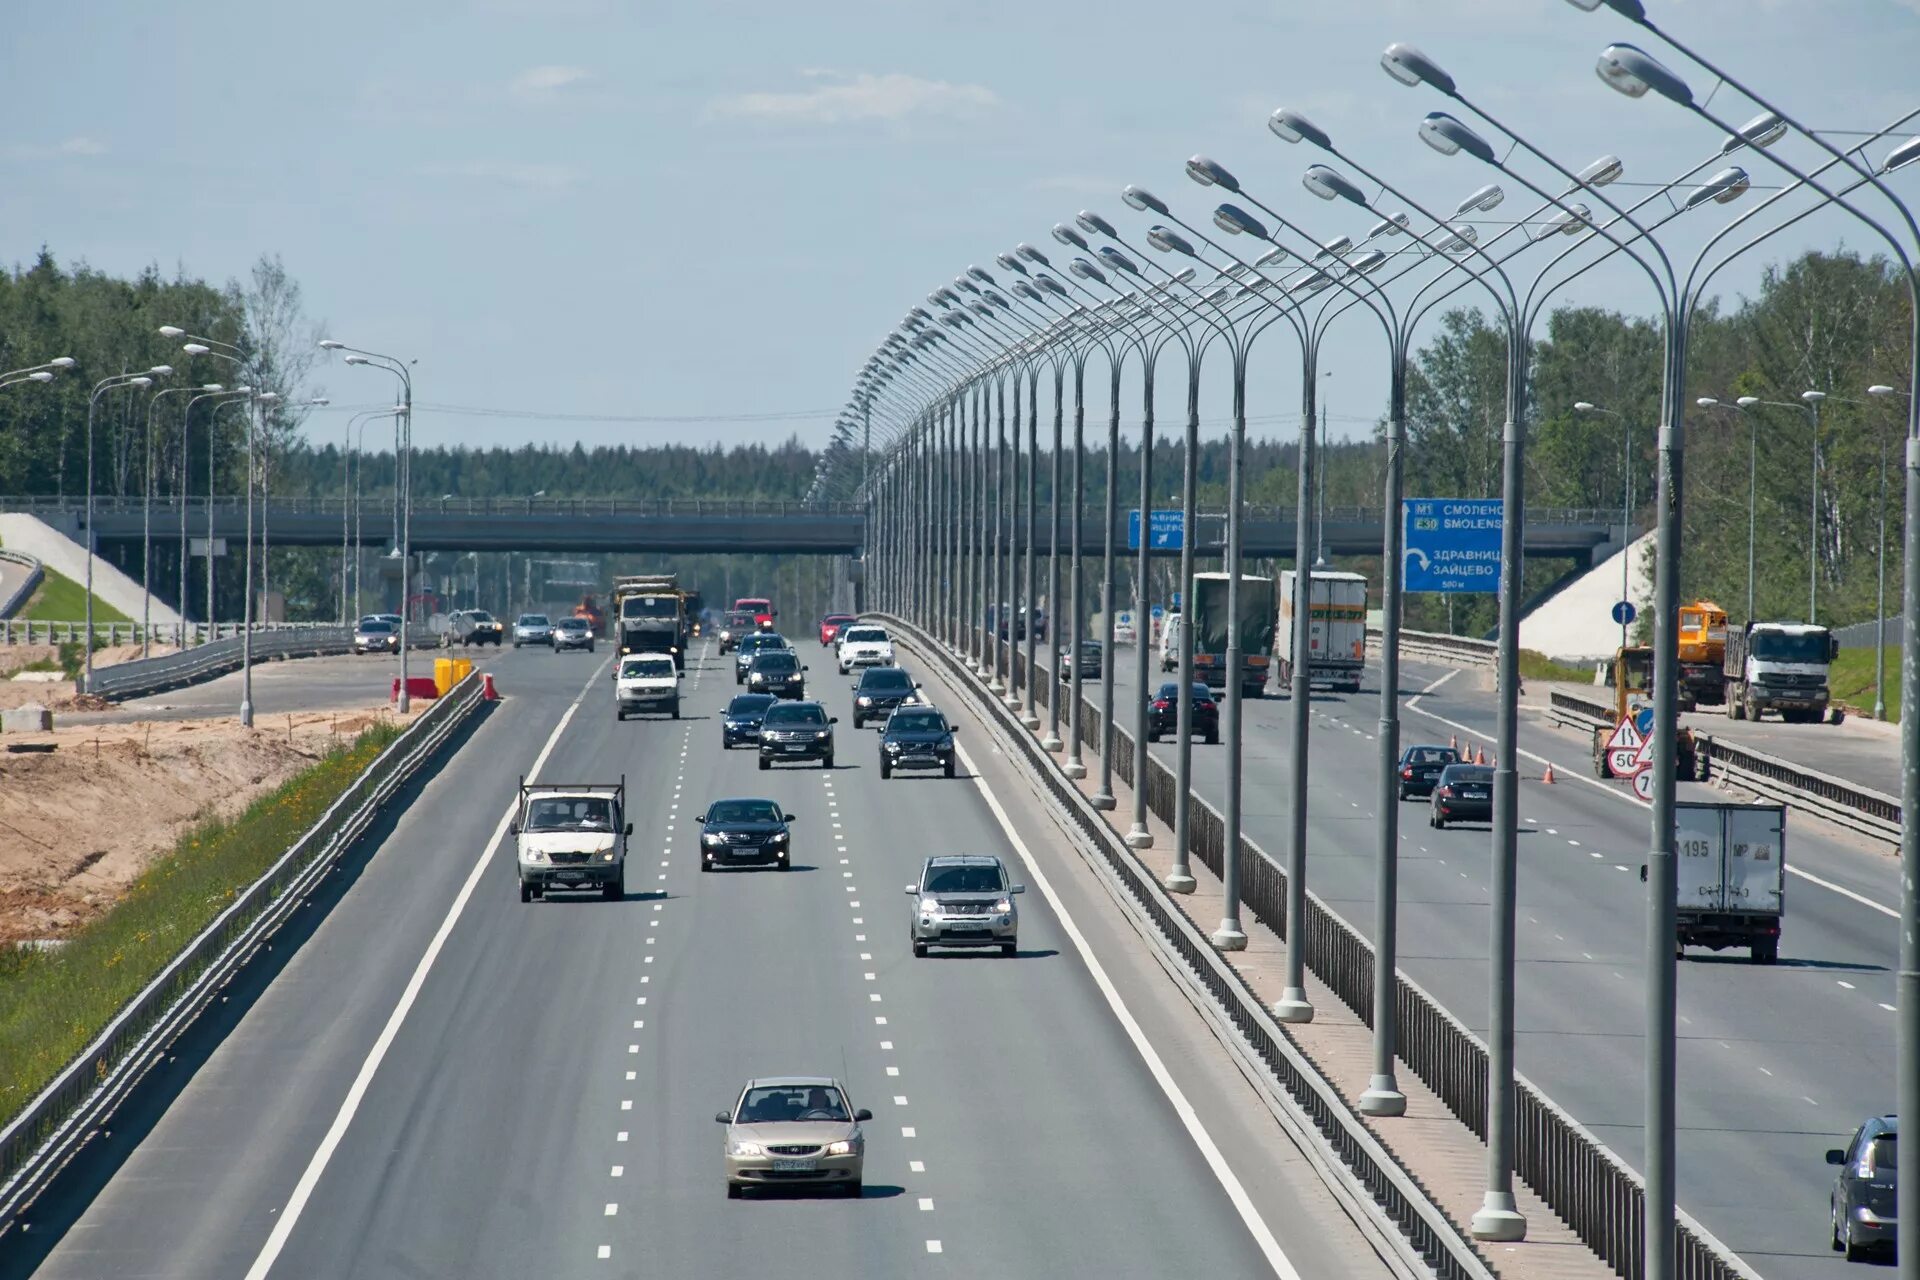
x,y
926,1204
618,1171
626,1104
879,1019
906,1131
893,1071
605,1251
916,1166
620,1136
873,996
899,1100
1847,985
1889,1008
1765,1072
310,1177
887,1045
933,1246
612,1209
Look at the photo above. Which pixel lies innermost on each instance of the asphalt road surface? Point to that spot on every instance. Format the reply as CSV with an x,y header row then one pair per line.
x,y
445,1081
1775,1064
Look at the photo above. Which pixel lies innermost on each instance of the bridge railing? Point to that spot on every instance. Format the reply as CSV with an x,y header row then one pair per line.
x,y
455,506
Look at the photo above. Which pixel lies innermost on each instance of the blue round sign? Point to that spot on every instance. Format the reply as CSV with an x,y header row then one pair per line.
x,y
1624,613
1643,721
1157,611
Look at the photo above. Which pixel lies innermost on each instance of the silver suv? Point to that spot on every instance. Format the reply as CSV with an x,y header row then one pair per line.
x,y
964,901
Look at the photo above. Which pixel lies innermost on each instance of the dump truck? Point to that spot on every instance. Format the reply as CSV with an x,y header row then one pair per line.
x,y
650,611
1254,629
1703,652
1780,666
1730,876
571,835
1336,628
1632,695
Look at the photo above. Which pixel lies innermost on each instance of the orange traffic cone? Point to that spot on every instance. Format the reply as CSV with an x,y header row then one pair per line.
x,y
1548,776
1480,756
1453,742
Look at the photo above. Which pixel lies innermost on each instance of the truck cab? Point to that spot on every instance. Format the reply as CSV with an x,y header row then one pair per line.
x,y
1703,652
1780,666
571,836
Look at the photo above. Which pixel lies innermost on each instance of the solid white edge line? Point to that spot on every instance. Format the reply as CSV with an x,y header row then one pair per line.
x,y
1625,798
1209,1150
303,1190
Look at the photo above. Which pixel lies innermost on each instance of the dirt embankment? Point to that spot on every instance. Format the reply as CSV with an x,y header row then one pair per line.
x,y
57,694
80,822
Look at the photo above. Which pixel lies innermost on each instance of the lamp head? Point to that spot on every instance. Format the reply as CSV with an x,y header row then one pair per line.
x,y
1271,258
1090,221
1052,286
1022,289
1747,402
1210,173
1144,201
1762,131
1879,389
1031,254
1813,397
62,362
1410,67
268,397
1333,248
1329,184
319,402
358,360
1904,154
961,282
980,275
196,348
1167,240
1723,187
1010,263
1289,125
40,376
161,371
1118,260
1487,197
1068,236
140,382
1633,71
1447,135
328,344
1584,406
1568,221
1631,10
1391,225
1236,221
1367,263
1602,172
1086,270
172,331
212,386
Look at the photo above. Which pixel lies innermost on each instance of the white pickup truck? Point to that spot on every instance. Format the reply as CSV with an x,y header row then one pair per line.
x,y
571,836
864,645
646,682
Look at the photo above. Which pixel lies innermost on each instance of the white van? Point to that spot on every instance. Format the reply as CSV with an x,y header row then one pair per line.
x,y
1172,632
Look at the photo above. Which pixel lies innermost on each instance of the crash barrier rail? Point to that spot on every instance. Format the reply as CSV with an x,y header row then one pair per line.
x,y
1437,1241
1869,812
37,1143
21,631
144,676
1463,650
35,574
1577,1175
368,507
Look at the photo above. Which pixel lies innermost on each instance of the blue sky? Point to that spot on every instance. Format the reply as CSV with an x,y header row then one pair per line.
x,y
587,207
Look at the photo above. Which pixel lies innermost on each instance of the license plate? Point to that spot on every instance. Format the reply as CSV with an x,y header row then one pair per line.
x,y
568,875
1473,795
795,1166
917,760
794,747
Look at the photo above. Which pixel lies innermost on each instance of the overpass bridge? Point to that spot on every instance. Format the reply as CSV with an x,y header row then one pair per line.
x,y
690,526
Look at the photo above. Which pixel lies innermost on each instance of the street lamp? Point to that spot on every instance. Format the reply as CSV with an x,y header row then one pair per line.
x,y
100,388
1626,507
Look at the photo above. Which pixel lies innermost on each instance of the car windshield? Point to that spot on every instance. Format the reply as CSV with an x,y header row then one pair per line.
x,y
1473,774
918,722
837,619
781,1104
736,621
1883,1154
480,615
725,811
532,620
1431,755
1168,692
778,662
750,705
650,607
571,624
570,813
796,714
376,628
866,635
1774,646
647,667
964,879
885,680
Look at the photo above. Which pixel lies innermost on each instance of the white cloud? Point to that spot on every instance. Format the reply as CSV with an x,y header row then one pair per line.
x,y
864,96
531,177
538,84
78,145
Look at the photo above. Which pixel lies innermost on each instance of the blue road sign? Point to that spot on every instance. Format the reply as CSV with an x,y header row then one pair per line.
x,y
1167,531
1452,544
1624,613
1157,611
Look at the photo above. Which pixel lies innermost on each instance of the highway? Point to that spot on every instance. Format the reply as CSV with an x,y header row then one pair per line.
x,y
1863,752
1776,1064
444,1081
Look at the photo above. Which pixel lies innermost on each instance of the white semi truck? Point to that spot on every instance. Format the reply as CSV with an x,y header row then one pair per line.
x,y
1336,628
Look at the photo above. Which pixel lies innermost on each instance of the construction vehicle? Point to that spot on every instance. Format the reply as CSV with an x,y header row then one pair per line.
x,y
1730,877
1254,628
1336,628
1780,666
1633,699
589,608
1703,652
650,612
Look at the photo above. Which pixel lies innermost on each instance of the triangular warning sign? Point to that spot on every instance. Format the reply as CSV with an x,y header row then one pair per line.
x,y
1626,737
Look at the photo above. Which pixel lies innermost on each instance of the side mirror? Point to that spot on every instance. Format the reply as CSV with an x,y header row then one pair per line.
x,y
701,818
803,666
912,889
1019,888
679,675
629,829
833,719
787,817
916,684
723,1117
863,1114
953,729
1836,1156
513,828
1833,647
1643,873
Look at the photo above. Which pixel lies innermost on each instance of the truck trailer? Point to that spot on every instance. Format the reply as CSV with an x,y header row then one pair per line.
x,y
1254,629
1336,628
1730,877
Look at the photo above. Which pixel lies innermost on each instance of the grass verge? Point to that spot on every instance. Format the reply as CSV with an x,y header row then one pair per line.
x,y
61,599
1537,666
1851,680
53,1003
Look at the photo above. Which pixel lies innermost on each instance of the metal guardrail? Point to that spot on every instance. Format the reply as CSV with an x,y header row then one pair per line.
x,y
71,1110
1433,1237
1439,645
35,574
1576,1174
369,506
145,676
22,631
1862,809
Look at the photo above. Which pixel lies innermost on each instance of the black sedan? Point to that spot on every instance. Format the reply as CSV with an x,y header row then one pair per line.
x,y
1861,1207
1420,769
740,722
795,732
1464,793
916,738
779,672
744,831
880,690
1163,713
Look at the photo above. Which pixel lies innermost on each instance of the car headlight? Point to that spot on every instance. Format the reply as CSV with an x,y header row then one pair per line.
x,y
844,1147
606,857
893,748
822,734
778,837
711,839
946,743
1003,906
744,1149
759,677
929,906
865,702
534,855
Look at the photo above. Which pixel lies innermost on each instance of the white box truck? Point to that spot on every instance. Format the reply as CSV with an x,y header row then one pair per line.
x,y
1336,628
1730,876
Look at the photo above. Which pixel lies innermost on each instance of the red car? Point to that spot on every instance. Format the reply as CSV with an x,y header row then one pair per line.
x,y
759,607
831,625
